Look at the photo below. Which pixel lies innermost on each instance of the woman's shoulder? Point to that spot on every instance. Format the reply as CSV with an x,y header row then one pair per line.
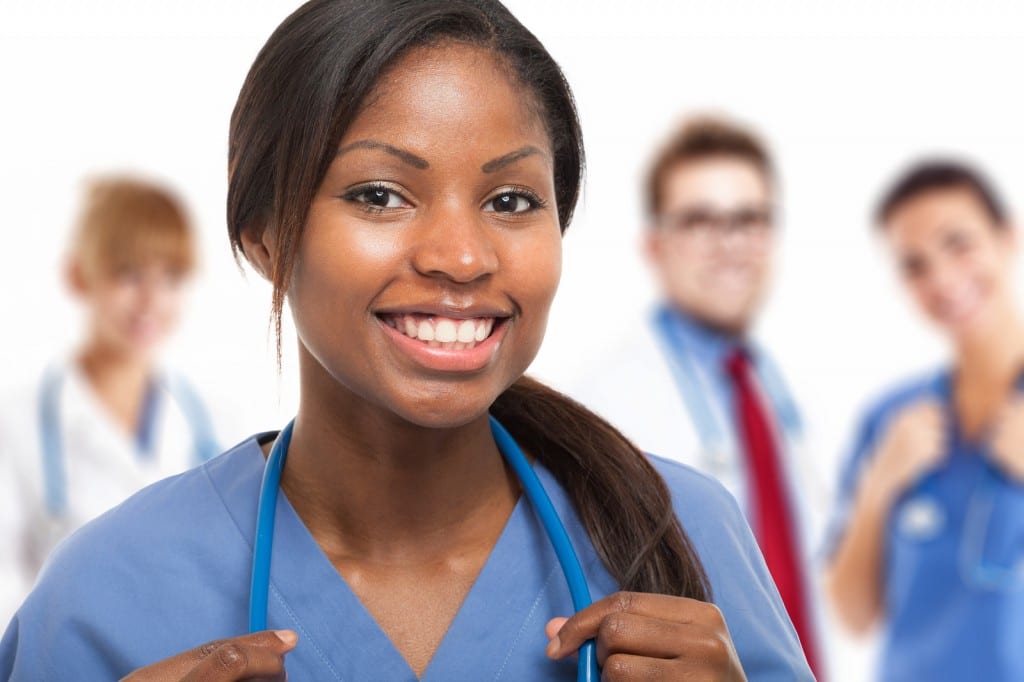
x,y
904,393
175,550
708,512
687,483
152,527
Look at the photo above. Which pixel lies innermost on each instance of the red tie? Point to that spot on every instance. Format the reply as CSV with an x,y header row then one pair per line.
x,y
771,514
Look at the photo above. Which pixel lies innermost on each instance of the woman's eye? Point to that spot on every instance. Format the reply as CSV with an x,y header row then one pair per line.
x,y
510,202
377,197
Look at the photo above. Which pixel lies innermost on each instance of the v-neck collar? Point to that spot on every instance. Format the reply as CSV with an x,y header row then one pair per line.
x,y
498,614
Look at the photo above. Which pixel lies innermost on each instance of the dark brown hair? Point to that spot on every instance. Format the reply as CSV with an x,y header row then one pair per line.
x,y
305,87
939,175
699,139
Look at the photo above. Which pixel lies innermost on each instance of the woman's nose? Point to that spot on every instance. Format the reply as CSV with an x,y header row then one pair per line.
x,y
455,244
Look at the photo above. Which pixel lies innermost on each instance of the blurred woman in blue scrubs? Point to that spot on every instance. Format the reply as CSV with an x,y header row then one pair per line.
x,y
402,173
929,534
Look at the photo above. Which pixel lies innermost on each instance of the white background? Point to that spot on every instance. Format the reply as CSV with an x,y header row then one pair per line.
x,y
846,94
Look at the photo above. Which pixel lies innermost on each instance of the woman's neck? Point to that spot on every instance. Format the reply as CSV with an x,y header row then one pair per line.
x,y
987,367
371,485
119,381
995,356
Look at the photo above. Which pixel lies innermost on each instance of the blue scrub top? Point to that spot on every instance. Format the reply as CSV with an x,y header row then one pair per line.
x,y
169,570
954,555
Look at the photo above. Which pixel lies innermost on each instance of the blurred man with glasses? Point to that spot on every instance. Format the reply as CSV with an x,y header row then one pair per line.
x,y
692,385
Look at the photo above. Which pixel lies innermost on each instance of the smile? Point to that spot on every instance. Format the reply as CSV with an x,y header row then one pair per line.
x,y
442,332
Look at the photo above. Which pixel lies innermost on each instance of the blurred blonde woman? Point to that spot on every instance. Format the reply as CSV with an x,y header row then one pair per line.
x,y
107,420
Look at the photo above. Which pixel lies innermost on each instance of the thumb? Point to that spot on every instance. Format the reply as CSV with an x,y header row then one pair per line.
x,y
553,626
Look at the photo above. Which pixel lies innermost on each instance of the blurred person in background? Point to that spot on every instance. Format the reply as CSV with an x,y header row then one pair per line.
x,y
927,541
691,384
109,420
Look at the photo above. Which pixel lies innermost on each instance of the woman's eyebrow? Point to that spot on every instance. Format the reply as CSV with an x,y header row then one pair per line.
x,y
407,157
505,159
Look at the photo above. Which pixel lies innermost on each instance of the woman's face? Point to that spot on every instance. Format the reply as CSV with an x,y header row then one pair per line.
x,y
955,260
432,249
133,308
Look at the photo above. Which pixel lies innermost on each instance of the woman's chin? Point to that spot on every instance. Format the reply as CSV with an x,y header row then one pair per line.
x,y
970,325
443,413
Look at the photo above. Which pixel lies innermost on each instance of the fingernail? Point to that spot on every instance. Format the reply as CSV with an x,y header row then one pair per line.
x,y
287,636
553,647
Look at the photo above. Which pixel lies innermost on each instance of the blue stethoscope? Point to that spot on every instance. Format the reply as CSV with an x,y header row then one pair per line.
x,y
204,444
924,516
587,670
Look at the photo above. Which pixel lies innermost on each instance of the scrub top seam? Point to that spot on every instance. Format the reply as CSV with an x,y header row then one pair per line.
x,y
305,634
529,617
205,468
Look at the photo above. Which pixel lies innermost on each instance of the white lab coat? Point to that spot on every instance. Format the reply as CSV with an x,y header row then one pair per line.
x,y
100,466
635,389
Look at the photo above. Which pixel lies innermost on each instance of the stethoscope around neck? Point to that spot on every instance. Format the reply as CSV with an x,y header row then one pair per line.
x,y
587,670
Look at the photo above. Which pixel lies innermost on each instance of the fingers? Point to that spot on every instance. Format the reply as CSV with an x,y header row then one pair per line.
x,y
260,654
914,442
627,633
233,661
587,623
631,667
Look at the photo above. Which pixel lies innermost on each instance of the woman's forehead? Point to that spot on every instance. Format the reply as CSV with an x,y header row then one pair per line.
x,y
450,94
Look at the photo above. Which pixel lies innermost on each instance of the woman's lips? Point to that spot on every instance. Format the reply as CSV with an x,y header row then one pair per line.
x,y
445,343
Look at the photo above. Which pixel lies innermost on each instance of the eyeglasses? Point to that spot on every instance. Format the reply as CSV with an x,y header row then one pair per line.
x,y
705,223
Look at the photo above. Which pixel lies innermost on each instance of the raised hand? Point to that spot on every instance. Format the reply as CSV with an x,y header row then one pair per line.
x,y
650,637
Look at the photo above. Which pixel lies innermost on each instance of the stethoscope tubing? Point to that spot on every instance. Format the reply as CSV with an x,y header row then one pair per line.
x,y
259,591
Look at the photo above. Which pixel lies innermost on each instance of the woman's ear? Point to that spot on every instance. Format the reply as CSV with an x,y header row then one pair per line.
x,y
258,247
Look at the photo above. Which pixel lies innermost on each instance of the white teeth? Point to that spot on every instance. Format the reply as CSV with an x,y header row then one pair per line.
x,y
444,331
467,331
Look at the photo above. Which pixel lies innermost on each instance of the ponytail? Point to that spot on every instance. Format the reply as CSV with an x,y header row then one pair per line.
x,y
623,503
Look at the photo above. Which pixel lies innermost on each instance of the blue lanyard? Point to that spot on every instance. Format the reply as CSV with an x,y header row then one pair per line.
x,y
204,445
587,670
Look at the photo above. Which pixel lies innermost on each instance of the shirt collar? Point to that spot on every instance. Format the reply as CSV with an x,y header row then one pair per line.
x,y
710,346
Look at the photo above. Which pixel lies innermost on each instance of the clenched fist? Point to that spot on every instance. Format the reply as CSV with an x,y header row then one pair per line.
x,y
913,443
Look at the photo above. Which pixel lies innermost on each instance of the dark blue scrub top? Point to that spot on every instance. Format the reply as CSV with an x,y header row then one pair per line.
x,y
954,555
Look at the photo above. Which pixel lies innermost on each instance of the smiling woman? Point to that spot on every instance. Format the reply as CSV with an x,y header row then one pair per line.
x,y
402,172
928,535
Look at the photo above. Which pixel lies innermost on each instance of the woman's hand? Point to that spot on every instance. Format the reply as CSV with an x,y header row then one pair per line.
x,y
259,656
1007,440
913,443
650,637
